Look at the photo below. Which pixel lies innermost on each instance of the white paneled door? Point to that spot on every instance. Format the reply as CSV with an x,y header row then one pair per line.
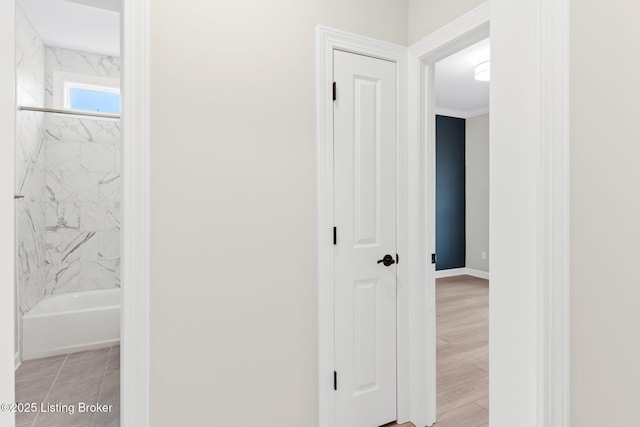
x,y
365,244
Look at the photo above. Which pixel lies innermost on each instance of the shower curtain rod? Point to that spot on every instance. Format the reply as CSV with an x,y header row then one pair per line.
x,y
71,112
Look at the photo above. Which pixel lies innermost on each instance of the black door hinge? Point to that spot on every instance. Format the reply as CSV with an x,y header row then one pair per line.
x,y
334,91
335,236
433,258
335,380
397,259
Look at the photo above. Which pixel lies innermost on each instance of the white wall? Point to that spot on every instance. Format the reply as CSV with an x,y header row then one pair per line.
x,y
426,16
233,211
605,212
477,192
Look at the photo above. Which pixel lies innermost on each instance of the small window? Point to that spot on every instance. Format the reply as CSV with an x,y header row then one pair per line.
x,y
86,93
94,100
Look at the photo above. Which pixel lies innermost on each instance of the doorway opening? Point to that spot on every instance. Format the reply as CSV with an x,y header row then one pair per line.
x,y
29,103
68,197
462,236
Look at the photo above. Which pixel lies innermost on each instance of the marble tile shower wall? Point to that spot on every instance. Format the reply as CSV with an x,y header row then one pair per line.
x,y
68,171
83,186
30,166
83,212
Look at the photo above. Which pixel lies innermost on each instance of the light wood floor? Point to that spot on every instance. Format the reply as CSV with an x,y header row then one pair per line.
x,y
462,351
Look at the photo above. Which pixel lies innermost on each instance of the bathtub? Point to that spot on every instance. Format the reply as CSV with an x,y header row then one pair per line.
x,y
67,323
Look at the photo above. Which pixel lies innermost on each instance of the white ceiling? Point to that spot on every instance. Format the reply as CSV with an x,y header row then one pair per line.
x,y
458,94
86,25
94,26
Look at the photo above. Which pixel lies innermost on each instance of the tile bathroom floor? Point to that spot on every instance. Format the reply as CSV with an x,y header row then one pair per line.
x,y
87,377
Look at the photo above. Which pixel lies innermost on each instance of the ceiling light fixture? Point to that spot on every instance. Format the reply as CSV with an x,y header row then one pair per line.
x,y
483,71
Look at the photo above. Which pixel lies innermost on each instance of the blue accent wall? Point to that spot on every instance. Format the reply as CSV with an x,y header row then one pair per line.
x,y
450,193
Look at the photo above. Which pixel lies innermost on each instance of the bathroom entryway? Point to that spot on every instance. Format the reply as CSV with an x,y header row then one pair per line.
x,y
68,198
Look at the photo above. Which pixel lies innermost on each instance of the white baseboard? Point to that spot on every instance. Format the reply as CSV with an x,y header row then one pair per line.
x,y
462,271
69,349
16,361
477,273
450,272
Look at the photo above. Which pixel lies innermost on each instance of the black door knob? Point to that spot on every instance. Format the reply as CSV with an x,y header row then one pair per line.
x,y
387,260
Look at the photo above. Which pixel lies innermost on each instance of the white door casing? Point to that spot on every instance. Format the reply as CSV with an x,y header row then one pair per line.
x,y
365,217
136,206
328,40
7,206
423,55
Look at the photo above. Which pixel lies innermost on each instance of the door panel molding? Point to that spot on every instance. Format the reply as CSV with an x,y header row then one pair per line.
x,y
328,40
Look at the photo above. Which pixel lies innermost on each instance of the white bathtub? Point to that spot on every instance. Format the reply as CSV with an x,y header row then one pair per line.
x,y
67,323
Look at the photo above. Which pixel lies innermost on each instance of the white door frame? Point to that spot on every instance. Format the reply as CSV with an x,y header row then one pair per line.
x,y
7,210
328,40
543,400
135,220
459,34
135,360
